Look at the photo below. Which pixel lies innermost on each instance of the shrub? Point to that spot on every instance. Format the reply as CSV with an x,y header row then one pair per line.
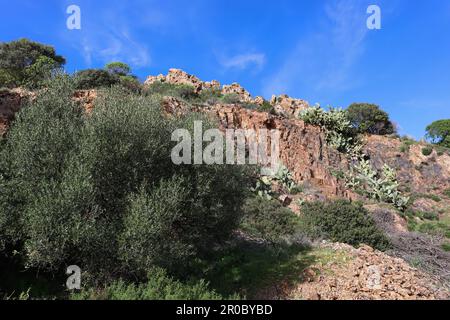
x,y
267,219
369,118
94,79
78,189
426,151
159,286
131,83
446,247
343,221
210,96
183,91
231,98
447,192
439,132
266,107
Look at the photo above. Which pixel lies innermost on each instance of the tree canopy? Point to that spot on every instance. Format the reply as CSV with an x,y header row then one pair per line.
x,y
369,118
439,132
25,62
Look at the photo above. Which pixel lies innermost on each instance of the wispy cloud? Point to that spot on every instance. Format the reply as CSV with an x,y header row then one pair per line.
x,y
323,60
109,36
243,61
115,45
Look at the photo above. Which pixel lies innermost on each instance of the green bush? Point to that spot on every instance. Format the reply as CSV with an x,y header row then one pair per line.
x,y
267,219
94,79
159,286
231,98
79,189
266,107
426,151
369,118
343,221
210,96
183,91
447,192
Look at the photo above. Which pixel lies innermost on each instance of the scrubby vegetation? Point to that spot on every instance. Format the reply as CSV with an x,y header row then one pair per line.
x,y
343,221
159,286
268,220
116,73
426,151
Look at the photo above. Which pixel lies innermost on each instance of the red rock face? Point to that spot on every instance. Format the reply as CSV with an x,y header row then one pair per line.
x,y
287,106
10,102
178,77
302,147
87,98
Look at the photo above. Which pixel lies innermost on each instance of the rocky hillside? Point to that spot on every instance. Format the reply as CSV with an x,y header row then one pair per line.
x,y
318,168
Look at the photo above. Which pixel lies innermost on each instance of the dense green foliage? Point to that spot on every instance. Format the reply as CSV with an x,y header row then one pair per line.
x,y
426,151
27,63
159,286
94,79
115,73
343,221
369,118
101,190
267,219
182,91
439,132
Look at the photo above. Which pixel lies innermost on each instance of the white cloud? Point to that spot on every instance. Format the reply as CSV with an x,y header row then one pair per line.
x,y
116,45
243,61
324,60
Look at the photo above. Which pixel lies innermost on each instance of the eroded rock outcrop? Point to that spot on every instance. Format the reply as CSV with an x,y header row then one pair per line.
x,y
287,106
237,89
303,149
10,103
179,77
86,98
422,174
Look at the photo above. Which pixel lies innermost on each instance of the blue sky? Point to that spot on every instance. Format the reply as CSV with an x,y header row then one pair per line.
x,y
317,50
